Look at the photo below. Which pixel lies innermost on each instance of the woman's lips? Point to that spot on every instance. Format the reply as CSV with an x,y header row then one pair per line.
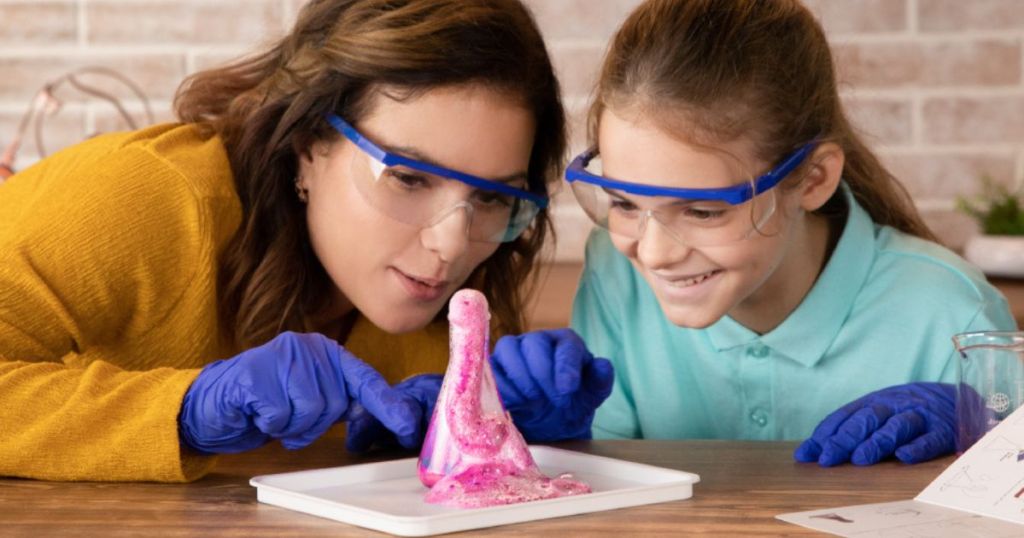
x,y
422,289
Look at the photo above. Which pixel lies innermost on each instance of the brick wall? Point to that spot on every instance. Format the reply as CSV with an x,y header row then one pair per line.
x,y
937,86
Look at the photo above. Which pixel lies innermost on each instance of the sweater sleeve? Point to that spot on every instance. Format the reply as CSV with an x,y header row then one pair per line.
x,y
97,244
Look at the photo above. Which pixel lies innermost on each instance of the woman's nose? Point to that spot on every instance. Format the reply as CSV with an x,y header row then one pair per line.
x,y
448,233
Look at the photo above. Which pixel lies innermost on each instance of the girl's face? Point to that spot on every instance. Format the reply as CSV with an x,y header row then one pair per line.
x,y
749,278
397,274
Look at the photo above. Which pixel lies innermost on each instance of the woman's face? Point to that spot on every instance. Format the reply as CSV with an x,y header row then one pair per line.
x,y
397,274
697,285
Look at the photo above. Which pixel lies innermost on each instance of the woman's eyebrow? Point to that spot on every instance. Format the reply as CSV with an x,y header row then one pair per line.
x,y
416,154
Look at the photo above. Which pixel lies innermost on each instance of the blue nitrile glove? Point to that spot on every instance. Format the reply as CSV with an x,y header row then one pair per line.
x,y
292,388
365,431
916,422
550,383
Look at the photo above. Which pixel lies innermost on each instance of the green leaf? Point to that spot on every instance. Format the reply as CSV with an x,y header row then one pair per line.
x,y
997,210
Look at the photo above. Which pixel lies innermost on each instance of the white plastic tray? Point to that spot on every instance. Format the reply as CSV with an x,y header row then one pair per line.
x,y
388,496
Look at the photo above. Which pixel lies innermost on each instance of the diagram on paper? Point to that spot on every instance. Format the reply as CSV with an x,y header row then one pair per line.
x,y
1008,449
967,483
988,479
903,519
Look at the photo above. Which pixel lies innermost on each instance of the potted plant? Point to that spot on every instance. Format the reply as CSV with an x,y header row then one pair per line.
x,y
999,249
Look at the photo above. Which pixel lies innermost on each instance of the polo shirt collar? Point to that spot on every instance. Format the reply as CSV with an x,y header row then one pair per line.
x,y
809,331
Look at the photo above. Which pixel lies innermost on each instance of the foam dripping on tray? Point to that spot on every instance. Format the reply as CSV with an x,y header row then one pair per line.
x,y
473,455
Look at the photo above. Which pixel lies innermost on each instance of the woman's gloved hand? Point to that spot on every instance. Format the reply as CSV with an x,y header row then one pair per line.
x,y
916,422
550,383
292,388
365,431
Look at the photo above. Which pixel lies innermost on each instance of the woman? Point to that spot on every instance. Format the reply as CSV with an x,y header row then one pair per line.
x,y
339,186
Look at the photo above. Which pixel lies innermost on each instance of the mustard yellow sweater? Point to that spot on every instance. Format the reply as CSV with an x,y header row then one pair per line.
x,y
108,268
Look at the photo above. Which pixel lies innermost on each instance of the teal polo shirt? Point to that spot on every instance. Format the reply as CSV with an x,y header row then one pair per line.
x,y
881,313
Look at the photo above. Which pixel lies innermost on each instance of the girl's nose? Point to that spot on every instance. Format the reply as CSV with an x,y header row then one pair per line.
x,y
658,246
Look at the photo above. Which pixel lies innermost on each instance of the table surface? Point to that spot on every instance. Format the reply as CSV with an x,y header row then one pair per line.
x,y
1013,289
743,486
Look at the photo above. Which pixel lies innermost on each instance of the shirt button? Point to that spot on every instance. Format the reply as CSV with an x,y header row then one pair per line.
x,y
758,352
759,417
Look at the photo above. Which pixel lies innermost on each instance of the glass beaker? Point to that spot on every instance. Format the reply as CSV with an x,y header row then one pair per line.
x,y
991,382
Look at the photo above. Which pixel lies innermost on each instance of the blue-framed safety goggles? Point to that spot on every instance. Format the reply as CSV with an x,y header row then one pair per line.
x,y
734,195
500,214
693,217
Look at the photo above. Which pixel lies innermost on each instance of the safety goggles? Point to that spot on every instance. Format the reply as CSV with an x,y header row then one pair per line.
x,y
419,194
694,217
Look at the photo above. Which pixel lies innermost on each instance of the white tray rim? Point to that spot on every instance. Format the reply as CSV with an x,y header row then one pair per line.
x,y
678,485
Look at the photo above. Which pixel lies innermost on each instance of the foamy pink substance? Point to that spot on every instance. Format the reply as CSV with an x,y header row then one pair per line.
x,y
473,455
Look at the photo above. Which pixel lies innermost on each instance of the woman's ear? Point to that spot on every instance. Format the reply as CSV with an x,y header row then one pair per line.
x,y
308,158
306,150
823,175
305,170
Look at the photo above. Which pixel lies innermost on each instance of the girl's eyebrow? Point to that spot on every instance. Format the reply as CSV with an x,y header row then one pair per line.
x,y
615,194
635,198
413,153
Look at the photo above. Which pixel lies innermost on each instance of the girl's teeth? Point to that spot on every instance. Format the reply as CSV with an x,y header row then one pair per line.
x,y
695,280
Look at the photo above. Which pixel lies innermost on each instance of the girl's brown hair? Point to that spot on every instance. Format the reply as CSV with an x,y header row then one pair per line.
x,y
759,69
269,109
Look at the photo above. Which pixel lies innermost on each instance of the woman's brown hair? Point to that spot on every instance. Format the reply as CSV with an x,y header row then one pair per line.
x,y
760,69
269,109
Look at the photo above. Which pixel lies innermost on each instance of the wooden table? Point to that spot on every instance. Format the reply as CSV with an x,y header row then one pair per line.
x,y
1013,289
743,486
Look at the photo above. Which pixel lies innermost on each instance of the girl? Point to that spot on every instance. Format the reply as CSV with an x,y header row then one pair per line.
x,y
756,266
344,184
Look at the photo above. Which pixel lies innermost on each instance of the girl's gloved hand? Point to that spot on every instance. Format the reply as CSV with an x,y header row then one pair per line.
x,y
550,383
916,422
365,431
292,388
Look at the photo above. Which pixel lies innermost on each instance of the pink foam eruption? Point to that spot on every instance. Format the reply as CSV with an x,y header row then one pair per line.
x,y
473,455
